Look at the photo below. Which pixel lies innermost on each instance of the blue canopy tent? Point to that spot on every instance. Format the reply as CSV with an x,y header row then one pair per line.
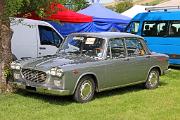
x,y
103,20
105,15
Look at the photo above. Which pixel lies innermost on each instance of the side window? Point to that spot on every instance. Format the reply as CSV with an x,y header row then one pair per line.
x,y
134,47
174,29
133,27
48,36
155,28
116,48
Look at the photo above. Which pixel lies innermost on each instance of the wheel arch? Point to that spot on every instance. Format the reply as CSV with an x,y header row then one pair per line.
x,y
90,74
154,67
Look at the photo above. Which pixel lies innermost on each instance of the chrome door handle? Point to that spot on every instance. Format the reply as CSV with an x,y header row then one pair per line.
x,y
42,48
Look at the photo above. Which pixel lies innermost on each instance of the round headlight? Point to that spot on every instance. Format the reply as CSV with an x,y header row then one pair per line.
x,y
56,72
15,66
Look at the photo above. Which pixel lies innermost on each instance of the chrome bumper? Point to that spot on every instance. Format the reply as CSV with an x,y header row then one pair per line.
x,y
42,89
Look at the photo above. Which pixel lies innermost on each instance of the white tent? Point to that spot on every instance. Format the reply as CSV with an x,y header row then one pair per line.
x,y
135,10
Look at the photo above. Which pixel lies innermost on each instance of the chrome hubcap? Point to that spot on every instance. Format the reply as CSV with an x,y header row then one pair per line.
x,y
86,90
153,78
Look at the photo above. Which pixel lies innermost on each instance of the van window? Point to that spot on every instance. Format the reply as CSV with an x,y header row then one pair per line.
x,y
155,28
174,29
49,37
133,27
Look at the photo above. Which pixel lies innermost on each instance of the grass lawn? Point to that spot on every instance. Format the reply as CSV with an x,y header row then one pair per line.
x,y
129,103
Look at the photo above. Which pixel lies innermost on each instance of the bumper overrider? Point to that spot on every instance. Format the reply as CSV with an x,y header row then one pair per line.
x,y
42,89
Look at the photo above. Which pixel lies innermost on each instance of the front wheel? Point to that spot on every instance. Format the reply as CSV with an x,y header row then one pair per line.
x,y
153,79
85,90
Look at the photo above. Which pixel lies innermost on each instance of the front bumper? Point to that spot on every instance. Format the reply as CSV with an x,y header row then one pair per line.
x,y
41,89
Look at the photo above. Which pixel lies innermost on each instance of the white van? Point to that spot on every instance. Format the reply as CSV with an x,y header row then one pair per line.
x,y
33,38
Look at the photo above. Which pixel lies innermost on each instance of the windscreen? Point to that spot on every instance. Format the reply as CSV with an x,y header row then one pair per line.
x,y
80,45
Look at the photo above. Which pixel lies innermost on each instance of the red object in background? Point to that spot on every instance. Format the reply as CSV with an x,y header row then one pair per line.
x,y
61,14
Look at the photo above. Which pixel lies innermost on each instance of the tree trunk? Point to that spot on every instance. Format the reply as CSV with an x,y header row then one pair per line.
x,y
5,49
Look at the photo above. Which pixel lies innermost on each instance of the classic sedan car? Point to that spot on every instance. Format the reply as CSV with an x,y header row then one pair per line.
x,y
92,62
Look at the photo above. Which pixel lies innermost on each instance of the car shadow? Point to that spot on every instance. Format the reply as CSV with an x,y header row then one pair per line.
x,y
124,90
120,91
175,67
67,100
52,99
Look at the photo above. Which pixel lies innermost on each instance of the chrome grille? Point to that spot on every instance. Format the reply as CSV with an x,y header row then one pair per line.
x,y
34,75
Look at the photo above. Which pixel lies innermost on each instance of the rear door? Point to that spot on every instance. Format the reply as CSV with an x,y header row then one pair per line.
x,y
49,41
138,60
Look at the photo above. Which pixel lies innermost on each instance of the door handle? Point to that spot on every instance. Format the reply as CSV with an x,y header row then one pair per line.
x,y
42,48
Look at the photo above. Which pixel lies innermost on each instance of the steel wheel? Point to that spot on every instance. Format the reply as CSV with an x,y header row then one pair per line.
x,y
153,79
85,90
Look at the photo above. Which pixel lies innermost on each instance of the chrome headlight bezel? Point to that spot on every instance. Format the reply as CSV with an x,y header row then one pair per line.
x,y
56,71
15,66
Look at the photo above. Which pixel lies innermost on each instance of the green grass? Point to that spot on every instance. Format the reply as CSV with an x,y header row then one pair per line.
x,y
129,103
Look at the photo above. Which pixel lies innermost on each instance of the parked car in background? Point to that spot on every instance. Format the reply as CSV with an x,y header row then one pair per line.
x,y
92,62
33,38
160,27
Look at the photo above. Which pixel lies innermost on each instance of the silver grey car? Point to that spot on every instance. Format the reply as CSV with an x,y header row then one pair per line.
x,y
91,62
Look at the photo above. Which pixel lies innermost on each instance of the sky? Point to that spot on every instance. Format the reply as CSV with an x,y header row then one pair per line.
x,y
103,1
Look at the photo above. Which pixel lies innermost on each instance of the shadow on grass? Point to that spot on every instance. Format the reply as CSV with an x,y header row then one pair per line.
x,y
175,67
67,100
120,91
52,99
124,90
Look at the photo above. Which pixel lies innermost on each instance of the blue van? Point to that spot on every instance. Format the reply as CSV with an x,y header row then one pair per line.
x,y
161,30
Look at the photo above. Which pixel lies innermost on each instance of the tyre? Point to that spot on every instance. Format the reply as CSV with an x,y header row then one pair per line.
x,y
85,90
153,79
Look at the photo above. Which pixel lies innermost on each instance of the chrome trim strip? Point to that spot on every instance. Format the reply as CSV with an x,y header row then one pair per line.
x,y
119,86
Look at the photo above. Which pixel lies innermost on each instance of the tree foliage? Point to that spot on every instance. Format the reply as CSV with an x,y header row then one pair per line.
x,y
122,6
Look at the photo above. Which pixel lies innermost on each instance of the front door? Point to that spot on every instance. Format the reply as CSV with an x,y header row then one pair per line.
x,y
116,63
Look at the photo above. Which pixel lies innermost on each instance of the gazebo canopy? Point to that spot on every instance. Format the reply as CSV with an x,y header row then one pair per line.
x,y
103,14
61,14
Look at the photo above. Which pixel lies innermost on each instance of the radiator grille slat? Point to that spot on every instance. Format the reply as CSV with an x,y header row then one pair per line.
x,y
34,75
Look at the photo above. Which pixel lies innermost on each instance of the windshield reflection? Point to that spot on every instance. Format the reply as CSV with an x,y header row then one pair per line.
x,y
81,45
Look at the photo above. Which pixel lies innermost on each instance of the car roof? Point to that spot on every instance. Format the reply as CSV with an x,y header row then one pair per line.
x,y
106,34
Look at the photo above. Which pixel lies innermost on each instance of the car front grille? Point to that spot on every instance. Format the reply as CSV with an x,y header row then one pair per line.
x,y
34,75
